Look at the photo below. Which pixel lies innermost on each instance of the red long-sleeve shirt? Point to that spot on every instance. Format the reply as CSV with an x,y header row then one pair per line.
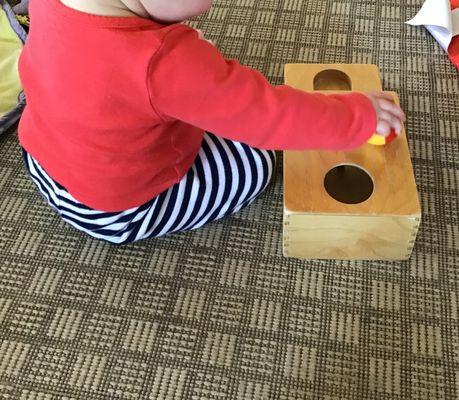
x,y
116,107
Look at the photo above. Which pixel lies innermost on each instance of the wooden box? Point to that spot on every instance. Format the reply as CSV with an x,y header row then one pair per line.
x,y
360,204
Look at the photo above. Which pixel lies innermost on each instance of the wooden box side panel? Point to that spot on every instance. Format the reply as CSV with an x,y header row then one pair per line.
x,y
349,237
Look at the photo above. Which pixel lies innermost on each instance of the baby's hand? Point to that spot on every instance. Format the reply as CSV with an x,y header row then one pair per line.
x,y
389,116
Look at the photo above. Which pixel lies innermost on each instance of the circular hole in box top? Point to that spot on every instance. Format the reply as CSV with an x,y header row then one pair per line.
x,y
349,184
332,79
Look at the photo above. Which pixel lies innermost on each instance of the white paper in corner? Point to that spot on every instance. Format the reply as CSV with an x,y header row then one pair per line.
x,y
440,21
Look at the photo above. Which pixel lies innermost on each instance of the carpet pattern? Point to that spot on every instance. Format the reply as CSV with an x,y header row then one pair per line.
x,y
219,313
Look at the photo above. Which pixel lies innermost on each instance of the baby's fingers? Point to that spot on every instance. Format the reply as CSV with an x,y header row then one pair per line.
x,y
384,95
388,121
390,106
383,127
396,124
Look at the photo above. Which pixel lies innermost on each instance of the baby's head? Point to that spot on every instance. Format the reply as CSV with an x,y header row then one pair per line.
x,y
168,10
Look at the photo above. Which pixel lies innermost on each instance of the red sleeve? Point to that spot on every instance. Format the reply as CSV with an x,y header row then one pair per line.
x,y
191,81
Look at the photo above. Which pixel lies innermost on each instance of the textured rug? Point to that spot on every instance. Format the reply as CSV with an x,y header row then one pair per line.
x,y
219,313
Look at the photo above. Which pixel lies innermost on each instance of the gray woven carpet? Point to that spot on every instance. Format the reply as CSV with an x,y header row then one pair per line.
x,y
219,313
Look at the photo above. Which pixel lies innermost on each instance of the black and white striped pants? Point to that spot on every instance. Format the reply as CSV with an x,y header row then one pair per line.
x,y
225,177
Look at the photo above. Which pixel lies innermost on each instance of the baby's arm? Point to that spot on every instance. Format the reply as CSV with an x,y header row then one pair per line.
x,y
191,81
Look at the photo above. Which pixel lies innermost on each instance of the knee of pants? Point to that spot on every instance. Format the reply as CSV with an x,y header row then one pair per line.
x,y
272,160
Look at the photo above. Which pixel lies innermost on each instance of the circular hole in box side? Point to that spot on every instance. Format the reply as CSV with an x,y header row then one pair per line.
x,y
332,79
349,184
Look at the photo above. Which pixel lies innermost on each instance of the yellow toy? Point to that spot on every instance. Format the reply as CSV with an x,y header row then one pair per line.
x,y
379,140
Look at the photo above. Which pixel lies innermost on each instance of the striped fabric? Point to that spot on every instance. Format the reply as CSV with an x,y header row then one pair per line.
x,y
225,177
